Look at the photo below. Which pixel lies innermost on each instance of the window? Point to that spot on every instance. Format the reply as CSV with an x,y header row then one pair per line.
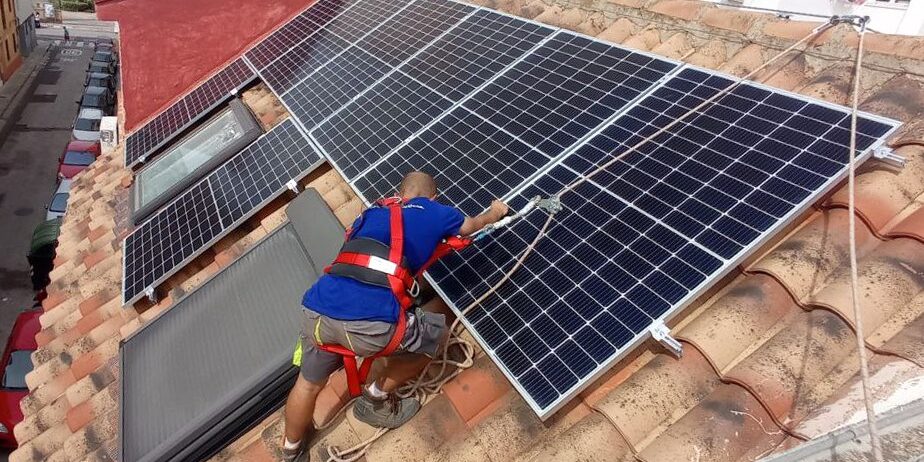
x,y
14,376
189,159
15,45
59,203
78,158
7,45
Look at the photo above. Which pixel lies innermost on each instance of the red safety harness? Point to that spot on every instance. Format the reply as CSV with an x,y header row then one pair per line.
x,y
372,262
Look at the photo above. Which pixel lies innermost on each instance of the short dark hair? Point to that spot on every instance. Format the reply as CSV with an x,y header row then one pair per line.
x,y
417,184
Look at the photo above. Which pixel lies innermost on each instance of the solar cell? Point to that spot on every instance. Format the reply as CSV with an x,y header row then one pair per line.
x,y
473,162
564,89
204,213
474,52
196,104
353,24
618,259
378,121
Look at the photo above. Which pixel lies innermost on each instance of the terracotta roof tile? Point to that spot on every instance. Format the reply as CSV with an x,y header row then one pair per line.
x,y
804,260
727,425
619,31
680,9
658,394
645,40
592,438
729,19
435,424
476,388
742,314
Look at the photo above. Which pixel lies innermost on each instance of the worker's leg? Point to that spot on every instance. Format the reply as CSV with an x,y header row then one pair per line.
x,y
316,367
299,409
405,367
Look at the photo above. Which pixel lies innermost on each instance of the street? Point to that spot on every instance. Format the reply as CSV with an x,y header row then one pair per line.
x,y
30,148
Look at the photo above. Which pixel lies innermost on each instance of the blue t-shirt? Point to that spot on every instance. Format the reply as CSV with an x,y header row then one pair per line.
x,y
426,224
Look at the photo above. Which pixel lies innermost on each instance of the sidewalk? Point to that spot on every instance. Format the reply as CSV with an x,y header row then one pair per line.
x,y
15,93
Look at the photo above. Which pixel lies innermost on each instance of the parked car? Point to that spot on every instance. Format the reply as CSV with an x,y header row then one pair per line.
x,y
105,57
17,362
86,125
100,67
58,205
42,252
97,79
98,98
77,156
103,43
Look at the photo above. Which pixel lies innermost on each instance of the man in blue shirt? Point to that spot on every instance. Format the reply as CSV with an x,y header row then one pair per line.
x,y
362,317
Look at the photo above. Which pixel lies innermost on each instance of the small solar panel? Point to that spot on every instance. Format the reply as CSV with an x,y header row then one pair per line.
x,y
566,88
378,121
295,31
473,162
474,52
639,240
196,104
204,213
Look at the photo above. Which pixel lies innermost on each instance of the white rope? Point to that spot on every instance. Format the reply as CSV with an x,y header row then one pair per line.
x,y
854,279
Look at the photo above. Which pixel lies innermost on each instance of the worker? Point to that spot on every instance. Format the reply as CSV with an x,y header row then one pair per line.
x,y
347,307
67,35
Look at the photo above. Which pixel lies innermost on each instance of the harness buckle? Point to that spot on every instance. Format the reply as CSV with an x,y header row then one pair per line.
x,y
414,290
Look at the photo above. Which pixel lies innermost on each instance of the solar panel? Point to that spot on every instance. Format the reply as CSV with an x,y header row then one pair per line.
x,y
566,88
295,31
320,47
617,259
196,104
204,213
378,121
474,52
472,161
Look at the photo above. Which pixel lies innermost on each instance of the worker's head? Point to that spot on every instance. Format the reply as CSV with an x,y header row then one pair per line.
x,y
417,184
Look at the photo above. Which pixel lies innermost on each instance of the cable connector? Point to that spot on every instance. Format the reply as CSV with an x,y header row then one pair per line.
x,y
151,294
292,185
662,334
888,156
853,20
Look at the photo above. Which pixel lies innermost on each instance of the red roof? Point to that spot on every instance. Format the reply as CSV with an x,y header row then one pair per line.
x,y
194,38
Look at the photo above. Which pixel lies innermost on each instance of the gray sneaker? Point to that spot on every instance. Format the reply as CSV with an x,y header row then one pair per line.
x,y
299,454
390,412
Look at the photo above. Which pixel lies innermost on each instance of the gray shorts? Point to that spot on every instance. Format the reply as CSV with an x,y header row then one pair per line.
x,y
424,332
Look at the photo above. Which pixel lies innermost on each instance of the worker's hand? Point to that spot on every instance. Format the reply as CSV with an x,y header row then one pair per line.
x,y
498,209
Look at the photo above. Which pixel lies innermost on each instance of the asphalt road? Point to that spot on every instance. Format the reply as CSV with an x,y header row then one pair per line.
x,y
28,169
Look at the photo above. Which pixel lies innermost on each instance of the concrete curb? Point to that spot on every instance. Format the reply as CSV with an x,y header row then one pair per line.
x,y
15,93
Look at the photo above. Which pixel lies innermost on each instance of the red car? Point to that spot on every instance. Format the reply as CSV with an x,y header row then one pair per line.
x,y
77,156
17,362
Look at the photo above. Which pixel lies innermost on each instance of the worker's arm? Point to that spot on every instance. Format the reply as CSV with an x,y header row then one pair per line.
x,y
494,213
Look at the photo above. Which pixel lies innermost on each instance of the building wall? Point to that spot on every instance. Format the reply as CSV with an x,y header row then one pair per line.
x,y
904,17
10,59
27,36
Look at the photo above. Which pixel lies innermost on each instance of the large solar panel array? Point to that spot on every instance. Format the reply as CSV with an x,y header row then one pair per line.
x,y
650,232
208,210
496,106
159,131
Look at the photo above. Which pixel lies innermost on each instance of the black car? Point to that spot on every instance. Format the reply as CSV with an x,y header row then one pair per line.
x,y
96,79
98,98
105,57
101,67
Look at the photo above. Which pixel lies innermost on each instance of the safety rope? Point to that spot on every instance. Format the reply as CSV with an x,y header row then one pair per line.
x,y
854,278
425,387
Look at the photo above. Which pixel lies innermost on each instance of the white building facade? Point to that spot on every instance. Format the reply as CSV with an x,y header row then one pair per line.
x,y
905,17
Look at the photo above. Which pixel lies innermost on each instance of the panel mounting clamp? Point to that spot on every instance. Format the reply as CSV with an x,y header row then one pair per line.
x,y
292,185
887,155
662,334
151,294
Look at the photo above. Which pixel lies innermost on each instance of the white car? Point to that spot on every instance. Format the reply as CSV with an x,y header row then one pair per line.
x,y
58,204
86,125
